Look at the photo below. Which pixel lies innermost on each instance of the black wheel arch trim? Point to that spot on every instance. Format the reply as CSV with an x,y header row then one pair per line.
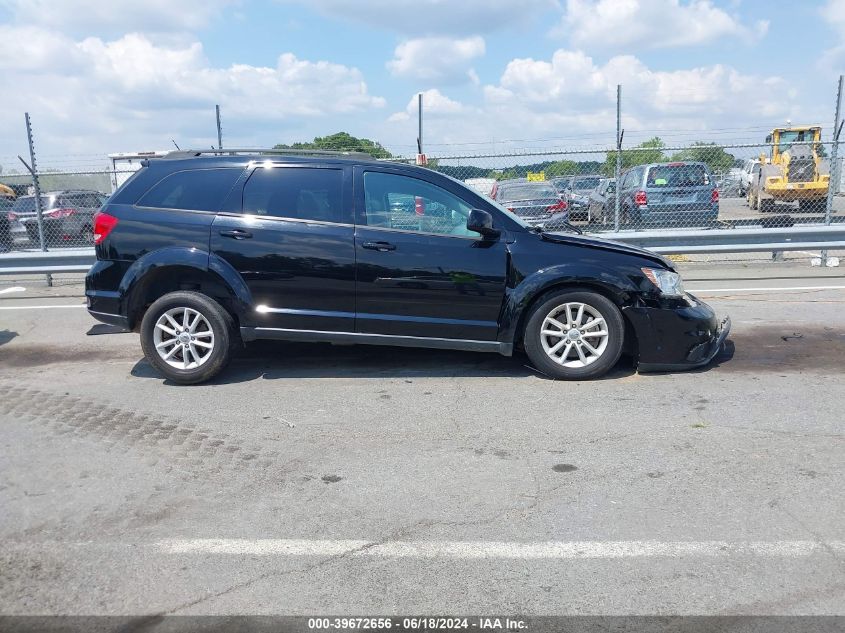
x,y
183,257
519,299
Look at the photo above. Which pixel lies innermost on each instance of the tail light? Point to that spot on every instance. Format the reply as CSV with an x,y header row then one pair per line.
x,y
558,206
12,216
419,205
714,197
103,225
640,199
57,214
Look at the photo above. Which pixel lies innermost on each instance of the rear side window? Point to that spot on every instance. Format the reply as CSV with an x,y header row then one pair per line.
x,y
300,193
197,189
677,176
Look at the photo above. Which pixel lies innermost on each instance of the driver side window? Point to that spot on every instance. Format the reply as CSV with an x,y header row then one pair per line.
x,y
409,204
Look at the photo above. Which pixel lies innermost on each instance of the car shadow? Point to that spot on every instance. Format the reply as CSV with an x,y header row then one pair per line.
x,y
273,360
6,336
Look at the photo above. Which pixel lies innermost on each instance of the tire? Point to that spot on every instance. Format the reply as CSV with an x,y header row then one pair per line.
x,y
571,365
214,325
811,206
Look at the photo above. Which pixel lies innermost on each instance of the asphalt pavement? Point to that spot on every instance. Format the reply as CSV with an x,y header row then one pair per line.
x,y
314,479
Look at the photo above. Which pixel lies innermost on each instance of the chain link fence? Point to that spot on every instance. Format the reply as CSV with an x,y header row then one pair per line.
x,y
68,199
696,186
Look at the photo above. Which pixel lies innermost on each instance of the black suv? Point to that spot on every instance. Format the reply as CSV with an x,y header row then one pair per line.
x,y
201,253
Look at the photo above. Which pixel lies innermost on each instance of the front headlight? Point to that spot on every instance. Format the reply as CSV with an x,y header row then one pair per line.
x,y
670,283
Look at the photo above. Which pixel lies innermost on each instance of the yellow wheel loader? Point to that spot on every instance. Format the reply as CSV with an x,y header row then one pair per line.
x,y
793,170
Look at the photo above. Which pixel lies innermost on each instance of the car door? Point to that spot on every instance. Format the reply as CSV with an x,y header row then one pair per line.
x,y
420,272
289,234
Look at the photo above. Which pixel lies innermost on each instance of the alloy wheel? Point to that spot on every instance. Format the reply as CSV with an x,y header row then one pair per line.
x,y
183,338
574,334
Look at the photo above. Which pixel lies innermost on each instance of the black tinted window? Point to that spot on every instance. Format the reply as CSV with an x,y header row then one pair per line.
x,y
198,189
296,192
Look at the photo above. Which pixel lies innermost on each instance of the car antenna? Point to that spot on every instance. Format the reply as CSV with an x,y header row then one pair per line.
x,y
177,146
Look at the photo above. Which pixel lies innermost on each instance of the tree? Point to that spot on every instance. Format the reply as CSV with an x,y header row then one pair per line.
x,y
650,151
341,142
714,156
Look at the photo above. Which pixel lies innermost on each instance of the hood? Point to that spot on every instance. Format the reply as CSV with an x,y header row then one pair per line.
x,y
589,241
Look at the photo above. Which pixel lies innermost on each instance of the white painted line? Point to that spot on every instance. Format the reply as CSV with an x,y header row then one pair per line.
x,y
765,289
55,307
6,291
484,549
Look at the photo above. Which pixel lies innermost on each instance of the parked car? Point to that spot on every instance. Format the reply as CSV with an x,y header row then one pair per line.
x,y
577,195
67,216
665,194
534,202
746,175
6,240
602,202
562,185
202,253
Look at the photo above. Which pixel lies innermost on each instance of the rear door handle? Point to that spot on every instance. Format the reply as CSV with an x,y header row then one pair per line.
x,y
238,234
379,246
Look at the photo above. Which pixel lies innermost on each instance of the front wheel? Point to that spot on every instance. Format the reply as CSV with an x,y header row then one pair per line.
x,y
574,335
187,337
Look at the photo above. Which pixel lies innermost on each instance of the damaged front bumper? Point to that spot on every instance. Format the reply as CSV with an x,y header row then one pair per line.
x,y
677,338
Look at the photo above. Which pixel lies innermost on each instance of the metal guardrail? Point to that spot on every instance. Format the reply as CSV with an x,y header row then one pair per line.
x,y
67,260
740,240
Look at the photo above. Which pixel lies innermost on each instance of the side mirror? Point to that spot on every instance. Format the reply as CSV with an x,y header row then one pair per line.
x,y
481,222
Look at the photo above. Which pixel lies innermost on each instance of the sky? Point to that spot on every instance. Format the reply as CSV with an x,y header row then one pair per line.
x,y
496,75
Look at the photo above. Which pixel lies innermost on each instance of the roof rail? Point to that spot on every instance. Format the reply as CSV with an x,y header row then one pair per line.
x,y
189,153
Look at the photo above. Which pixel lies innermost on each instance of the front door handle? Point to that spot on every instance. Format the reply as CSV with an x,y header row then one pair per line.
x,y
379,246
238,234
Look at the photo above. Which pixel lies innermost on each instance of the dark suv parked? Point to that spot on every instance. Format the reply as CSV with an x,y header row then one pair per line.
x,y
201,253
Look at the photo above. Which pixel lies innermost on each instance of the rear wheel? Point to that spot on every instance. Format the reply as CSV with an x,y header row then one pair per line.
x,y
187,337
574,335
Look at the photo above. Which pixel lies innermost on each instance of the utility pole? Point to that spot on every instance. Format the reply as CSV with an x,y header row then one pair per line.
x,y
619,133
420,154
33,170
834,163
219,128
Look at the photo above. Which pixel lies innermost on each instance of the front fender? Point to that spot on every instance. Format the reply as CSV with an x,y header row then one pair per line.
x,y
183,257
612,283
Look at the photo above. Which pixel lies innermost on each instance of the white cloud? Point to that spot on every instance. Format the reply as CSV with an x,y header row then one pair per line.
x,y
429,17
570,100
106,95
622,24
95,16
833,13
435,103
437,59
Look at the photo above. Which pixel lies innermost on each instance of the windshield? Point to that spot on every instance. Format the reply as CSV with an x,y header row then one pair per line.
x,y
525,192
681,175
511,215
788,138
586,184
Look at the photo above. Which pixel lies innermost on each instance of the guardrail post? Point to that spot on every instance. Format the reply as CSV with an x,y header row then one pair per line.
x,y
834,154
